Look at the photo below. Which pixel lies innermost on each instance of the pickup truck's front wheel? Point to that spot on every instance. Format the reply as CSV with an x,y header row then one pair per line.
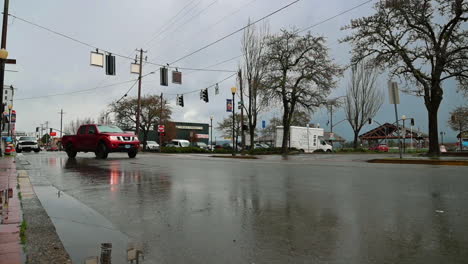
x,y
101,151
71,152
132,153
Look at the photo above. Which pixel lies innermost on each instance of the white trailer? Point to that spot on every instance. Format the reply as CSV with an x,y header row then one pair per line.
x,y
305,139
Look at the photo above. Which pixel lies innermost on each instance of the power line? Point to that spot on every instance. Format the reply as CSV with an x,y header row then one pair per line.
x,y
214,24
188,20
74,92
235,32
168,25
335,16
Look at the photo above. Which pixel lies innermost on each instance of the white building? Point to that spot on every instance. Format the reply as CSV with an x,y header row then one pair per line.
x,y
8,94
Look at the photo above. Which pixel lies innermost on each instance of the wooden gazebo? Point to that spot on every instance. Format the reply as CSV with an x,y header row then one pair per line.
x,y
390,131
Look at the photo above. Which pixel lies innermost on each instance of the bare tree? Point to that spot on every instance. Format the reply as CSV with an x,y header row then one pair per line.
x,y
73,126
363,99
126,110
421,41
253,72
300,74
225,126
459,121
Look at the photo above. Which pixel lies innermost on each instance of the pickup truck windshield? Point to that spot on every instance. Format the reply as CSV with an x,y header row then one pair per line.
x,y
27,138
109,129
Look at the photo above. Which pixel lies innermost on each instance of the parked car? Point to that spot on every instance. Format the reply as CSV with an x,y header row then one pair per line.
x,y
201,145
27,144
152,145
180,143
102,140
380,148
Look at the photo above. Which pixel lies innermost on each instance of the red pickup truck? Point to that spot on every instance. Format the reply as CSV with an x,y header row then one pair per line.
x,y
101,139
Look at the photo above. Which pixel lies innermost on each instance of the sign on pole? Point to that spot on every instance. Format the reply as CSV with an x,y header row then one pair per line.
x,y
393,94
394,98
228,105
263,123
160,128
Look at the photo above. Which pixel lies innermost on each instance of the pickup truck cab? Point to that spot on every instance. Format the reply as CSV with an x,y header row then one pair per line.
x,y
102,140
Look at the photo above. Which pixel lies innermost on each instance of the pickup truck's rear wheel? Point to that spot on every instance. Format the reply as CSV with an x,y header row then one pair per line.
x,y
132,153
101,151
18,150
71,152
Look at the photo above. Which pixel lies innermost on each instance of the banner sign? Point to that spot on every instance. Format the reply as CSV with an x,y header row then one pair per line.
x,y
228,105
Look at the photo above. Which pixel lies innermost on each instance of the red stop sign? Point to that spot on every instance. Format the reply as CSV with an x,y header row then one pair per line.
x,y
160,128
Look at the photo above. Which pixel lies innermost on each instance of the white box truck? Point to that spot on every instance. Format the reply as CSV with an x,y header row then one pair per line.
x,y
305,139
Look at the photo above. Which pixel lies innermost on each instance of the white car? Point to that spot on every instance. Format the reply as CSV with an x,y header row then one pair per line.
x,y
152,145
180,143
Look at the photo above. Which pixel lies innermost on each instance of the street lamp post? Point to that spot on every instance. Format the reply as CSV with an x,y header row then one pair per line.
x,y
233,91
442,137
403,117
211,133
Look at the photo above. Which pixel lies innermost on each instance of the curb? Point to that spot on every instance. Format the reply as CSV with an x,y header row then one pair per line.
x,y
421,162
42,242
234,157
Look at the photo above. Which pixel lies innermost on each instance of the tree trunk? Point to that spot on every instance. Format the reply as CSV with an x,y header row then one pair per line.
x,y
145,137
433,132
252,135
432,106
284,145
356,138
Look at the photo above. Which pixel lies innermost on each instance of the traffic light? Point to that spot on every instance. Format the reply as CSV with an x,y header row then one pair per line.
x,y
180,100
110,64
370,121
163,76
50,130
37,129
412,121
205,95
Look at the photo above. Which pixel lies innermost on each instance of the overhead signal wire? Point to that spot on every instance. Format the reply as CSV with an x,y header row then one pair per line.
x,y
90,45
74,92
235,32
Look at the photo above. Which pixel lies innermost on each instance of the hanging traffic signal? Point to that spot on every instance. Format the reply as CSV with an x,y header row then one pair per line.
x,y
163,76
37,129
412,121
181,100
370,121
205,95
50,130
110,64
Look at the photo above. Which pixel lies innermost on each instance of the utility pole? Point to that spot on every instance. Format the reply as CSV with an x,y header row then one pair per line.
x,y
61,124
139,94
2,66
241,105
161,122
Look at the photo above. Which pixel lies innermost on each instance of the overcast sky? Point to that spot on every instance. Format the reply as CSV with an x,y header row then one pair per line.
x,y
48,64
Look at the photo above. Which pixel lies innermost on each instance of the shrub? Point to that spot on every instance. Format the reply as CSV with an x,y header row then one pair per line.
x,y
183,150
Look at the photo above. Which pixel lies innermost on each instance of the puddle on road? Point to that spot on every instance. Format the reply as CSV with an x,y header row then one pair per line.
x,y
80,228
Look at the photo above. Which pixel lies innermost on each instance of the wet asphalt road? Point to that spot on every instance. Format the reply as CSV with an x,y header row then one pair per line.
x,y
308,209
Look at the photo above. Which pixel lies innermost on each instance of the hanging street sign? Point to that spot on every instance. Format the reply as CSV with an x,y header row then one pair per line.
x,y
97,59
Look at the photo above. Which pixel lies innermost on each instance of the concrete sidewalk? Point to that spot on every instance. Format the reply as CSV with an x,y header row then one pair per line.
x,y
11,215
